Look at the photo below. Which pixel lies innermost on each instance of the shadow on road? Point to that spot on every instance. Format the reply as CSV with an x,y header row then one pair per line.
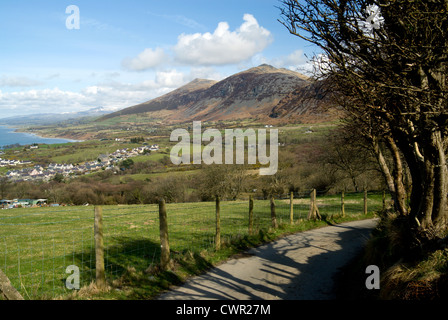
x,y
297,267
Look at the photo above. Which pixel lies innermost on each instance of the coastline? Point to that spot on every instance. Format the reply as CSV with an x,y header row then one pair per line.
x,y
26,137
69,137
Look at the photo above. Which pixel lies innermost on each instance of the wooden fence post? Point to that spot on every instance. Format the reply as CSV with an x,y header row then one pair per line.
x,y
273,214
384,200
99,249
342,204
7,291
365,201
314,210
218,224
164,241
291,208
251,215
310,213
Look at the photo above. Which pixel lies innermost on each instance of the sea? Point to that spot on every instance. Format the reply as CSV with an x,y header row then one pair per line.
x,y
8,136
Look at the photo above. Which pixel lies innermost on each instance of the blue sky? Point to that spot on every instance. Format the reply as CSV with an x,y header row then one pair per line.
x,y
128,52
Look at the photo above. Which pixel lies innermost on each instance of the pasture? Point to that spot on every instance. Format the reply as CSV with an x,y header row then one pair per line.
x,y
38,244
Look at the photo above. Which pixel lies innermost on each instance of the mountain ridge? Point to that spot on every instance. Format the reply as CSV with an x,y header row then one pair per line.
x,y
52,118
262,93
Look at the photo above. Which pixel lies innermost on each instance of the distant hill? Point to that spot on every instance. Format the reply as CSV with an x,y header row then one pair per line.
x,y
262,93
52,118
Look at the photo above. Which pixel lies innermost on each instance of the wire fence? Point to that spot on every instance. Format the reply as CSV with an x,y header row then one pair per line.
x,y
38,244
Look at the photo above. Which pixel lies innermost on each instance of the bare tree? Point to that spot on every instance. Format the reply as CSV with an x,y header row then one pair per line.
x,y
375,140
54,191
4,185
225,181
389,59
347,154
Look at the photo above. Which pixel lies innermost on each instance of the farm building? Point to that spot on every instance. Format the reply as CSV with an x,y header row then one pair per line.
x,y
23,202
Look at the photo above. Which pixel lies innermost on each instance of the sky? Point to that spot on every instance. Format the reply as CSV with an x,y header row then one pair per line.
x,y
67,56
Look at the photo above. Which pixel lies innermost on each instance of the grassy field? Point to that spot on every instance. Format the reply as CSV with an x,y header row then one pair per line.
x,y
77,152
38,244
93,146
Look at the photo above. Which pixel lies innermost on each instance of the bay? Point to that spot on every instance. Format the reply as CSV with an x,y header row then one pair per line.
x,y
8,136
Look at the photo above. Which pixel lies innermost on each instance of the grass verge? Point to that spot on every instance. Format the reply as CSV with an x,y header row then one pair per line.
x,y
421,276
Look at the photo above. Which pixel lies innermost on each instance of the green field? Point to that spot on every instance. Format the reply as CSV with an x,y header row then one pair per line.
x,y
90,149
38,244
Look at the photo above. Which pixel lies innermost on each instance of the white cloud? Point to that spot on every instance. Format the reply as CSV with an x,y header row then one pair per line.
x,y
205,73
92,90
12,81
295,58
195,56
53,76
291,61
223,46
40,101
148,59
110,94
170,79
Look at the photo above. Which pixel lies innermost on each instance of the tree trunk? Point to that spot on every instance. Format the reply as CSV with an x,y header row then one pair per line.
x,y
429,184
394,181
400,190
384,167
439,212
424,216
355,184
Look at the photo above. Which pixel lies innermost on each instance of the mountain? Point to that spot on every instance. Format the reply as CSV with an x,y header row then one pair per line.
x,y
262,93
186,95
52,118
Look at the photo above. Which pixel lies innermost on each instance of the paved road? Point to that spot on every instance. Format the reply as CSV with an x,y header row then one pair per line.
x,y
297,267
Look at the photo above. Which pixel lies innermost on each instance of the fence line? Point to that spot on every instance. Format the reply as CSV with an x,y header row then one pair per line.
x,y
36,247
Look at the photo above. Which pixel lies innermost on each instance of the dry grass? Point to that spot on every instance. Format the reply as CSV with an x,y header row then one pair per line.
x,y
423,281
85,293
423,276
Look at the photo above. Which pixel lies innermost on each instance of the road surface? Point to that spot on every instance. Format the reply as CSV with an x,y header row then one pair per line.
x,y
296,267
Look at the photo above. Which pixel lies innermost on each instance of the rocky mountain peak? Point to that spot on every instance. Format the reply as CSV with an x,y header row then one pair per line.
x,y
256,93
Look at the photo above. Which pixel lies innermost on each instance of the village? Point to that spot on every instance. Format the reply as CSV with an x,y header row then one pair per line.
x,y
104,162
13,163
